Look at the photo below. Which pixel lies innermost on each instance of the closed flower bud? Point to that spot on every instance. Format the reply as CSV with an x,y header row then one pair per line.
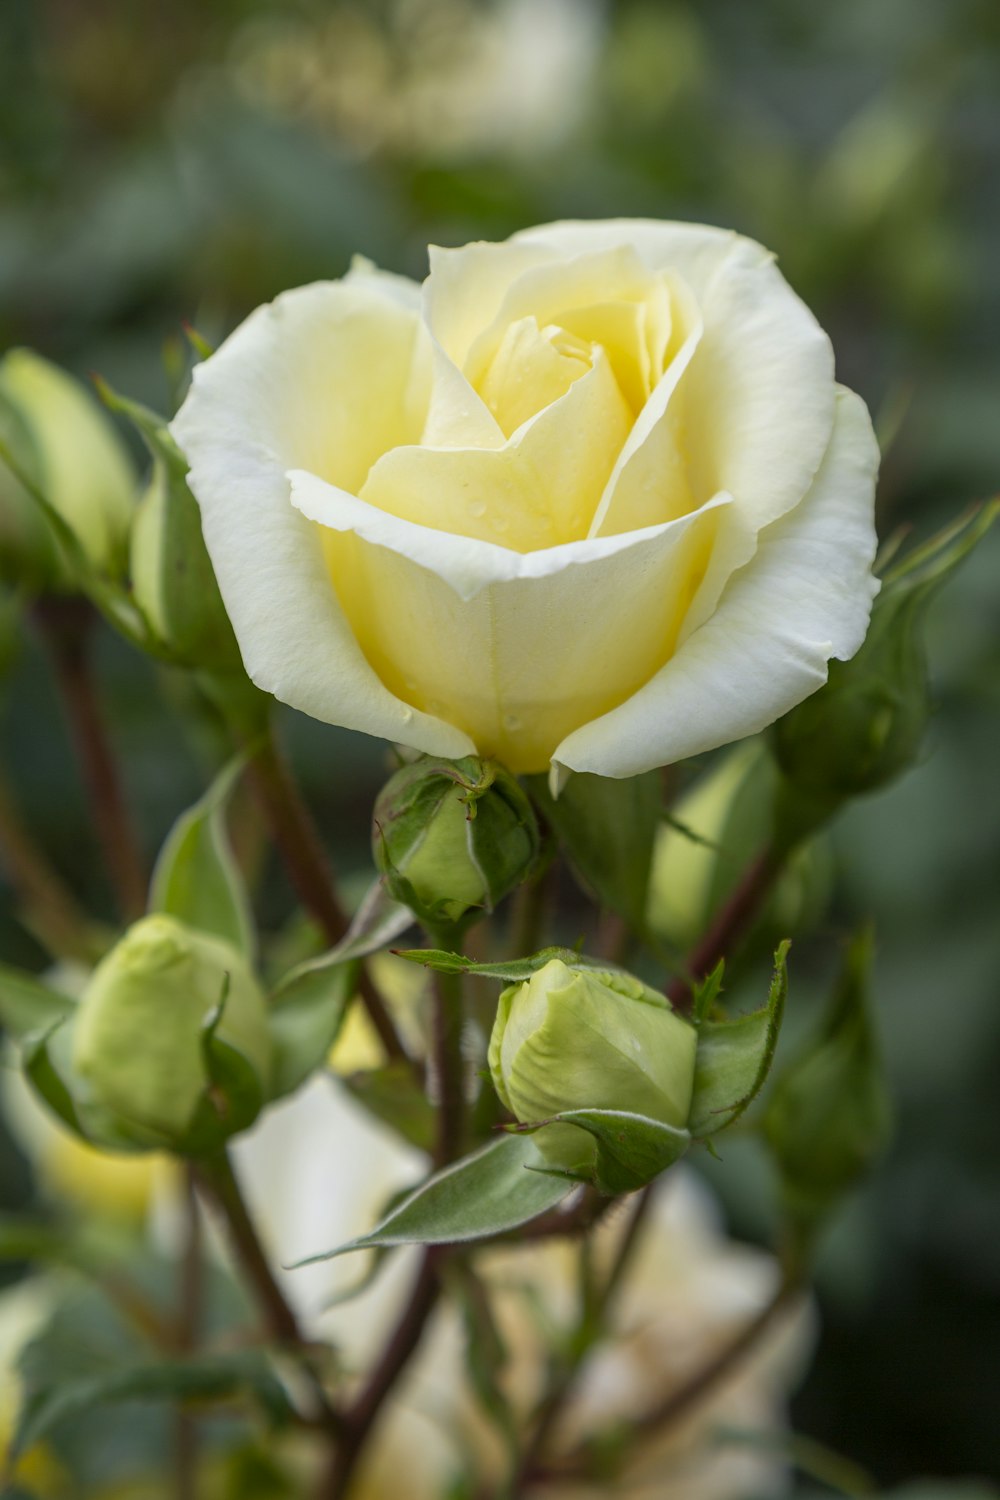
x,y
453,836
866,725
173,582
139,1042
64,443
579,1038
829,1114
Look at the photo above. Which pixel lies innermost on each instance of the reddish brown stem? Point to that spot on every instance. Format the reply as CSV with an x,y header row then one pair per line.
x,y
309,872
729,927
218,1182
66,625
361,1415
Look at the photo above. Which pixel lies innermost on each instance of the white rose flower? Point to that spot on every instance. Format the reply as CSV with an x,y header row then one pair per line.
x,y
590,499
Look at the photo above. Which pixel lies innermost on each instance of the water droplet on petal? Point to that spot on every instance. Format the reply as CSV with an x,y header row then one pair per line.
x,y
407,715
500,523
477,508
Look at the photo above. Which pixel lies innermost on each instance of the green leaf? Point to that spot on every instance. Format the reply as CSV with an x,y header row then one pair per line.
x,y
308,1007
485,1194
735,1056
631,1149
515,971
196,878
306,1013
393,1095
28,1007
608,828
45,1059
208,1378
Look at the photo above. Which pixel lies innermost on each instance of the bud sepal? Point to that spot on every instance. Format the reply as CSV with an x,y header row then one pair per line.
x,y
452,838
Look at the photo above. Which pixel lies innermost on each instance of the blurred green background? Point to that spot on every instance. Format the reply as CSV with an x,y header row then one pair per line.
x,y
192,159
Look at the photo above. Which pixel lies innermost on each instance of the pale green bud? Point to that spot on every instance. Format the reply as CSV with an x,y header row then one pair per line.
x,y
140,1032
865,727
829,1115
173,581
453,836
580,1038
69,448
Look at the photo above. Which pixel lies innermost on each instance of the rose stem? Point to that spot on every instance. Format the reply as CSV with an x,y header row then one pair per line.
x,y
188,1332
449,1067
360,1416
729,926
448,1073
218,1182
65,625
308,870
49,907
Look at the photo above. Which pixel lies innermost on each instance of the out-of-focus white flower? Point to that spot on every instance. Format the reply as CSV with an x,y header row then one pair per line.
x,y
319,1171
444,78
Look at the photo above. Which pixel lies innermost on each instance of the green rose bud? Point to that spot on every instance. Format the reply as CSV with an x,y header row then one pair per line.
x,y
453,836
59,437
139,1037
866,725
173,581
829,1114
579,1038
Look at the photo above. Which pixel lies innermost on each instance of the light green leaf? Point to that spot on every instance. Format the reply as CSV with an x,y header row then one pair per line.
x,y
515,971
196,878
308,1007
483,1195
207,1378
734,1057
27,1006
608,828
392,1094
305,1015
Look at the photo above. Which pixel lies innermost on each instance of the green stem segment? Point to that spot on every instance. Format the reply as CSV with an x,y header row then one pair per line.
x,y
449,1067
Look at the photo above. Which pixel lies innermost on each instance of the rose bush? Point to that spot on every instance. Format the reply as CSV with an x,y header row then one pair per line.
x,y
590,498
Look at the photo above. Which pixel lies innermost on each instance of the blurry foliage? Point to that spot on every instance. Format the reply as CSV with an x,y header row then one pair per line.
x,y
190,160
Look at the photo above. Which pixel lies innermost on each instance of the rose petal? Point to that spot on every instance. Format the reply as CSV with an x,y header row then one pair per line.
x,y
328,377
805,597
539,490
516,648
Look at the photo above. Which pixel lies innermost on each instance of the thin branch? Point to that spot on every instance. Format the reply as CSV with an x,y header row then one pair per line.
x,y
677,1405
217,1180
65,625
188,1333
729,927
449,1067
593,1319
360,1417
309,872
48,905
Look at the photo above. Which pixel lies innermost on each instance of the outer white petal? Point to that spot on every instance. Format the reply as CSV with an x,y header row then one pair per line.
x,y
326,378
517,648
804,598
